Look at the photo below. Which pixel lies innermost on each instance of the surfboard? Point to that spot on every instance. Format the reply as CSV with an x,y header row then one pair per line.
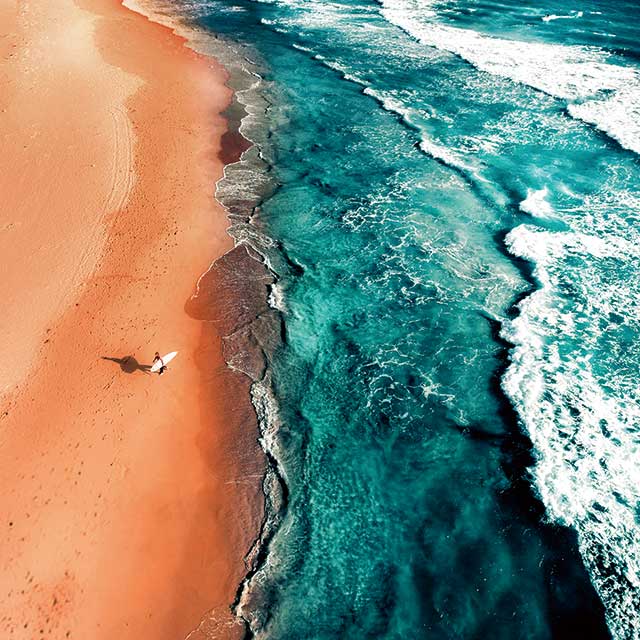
x,y
165,360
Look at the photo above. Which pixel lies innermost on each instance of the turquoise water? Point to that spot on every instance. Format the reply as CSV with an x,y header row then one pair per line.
x,y
454,224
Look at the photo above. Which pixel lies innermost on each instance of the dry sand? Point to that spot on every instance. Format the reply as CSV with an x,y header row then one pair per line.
x,y
127,500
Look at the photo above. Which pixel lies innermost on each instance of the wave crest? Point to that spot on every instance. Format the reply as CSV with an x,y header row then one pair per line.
x,y
582,417
599,91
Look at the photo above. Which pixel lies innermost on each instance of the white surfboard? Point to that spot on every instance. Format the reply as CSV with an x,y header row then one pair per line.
x,y
164,361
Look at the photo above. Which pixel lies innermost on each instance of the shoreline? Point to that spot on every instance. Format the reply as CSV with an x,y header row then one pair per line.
x,y
131,506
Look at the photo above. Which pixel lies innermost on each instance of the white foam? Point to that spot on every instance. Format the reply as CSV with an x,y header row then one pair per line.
x,y
444,154
599,91
571,16
535,203
415,120
277,298
617,115
341,69
585,426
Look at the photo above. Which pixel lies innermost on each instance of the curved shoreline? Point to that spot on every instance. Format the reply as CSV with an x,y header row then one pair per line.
x,y
131,500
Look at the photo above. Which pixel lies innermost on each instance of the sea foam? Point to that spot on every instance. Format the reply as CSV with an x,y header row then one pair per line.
x,y
582,415
571,16
536,204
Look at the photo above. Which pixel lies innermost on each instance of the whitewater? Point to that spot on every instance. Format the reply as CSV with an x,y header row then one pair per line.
x,y
595,86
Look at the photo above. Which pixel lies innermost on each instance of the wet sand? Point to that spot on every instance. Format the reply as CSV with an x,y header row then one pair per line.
x,y
128,500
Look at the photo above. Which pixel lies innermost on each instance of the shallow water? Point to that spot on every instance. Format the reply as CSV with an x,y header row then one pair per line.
x,y
456,241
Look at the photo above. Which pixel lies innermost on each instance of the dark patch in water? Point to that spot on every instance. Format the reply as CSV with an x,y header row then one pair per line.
x,y
232,295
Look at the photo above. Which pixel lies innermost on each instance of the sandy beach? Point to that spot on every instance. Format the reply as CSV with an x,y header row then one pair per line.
x,y
128,500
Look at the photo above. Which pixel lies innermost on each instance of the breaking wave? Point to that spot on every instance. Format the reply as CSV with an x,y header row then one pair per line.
x,y
581,412
597,89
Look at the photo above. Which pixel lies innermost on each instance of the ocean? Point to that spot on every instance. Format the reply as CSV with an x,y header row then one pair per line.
x,y
448,194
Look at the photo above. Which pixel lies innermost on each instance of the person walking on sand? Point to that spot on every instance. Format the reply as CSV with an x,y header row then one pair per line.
x,y
163,366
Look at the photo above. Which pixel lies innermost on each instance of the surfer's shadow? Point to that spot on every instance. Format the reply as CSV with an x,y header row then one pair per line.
x,y
129,364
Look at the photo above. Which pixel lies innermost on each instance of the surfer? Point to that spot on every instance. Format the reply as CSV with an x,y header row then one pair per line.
x,y
163,366
160,363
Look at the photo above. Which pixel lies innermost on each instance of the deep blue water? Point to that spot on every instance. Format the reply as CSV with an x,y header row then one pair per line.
x,y
456,240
